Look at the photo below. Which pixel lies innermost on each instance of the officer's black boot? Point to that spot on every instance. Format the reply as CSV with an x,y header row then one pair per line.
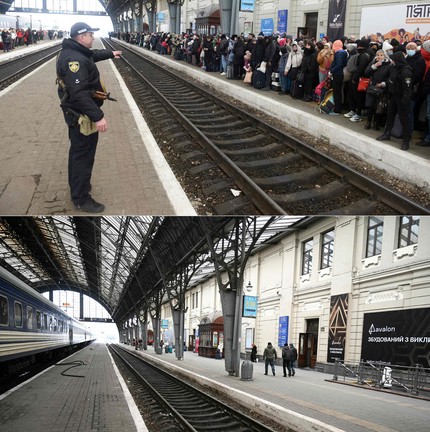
x,y
385,136
405,144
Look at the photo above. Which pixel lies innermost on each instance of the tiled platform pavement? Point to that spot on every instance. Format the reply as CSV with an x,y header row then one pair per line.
x,y
130,175
94,400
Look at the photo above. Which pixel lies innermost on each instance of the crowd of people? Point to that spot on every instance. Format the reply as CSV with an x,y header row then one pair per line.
x,y
386,84
12,38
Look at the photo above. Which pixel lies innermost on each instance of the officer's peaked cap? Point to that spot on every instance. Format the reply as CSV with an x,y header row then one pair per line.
x,y
80,28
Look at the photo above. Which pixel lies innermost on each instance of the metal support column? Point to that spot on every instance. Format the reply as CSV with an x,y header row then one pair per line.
x,y
81,306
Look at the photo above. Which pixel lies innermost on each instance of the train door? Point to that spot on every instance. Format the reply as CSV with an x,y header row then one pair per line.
x,y
308,345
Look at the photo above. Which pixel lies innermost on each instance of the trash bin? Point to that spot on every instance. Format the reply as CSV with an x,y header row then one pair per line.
x,y
246,371
166,349
158,350
170,349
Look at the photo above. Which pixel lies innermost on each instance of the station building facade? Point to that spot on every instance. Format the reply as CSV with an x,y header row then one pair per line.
x,y
348,288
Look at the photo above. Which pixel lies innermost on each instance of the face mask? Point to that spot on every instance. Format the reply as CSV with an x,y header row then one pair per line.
x,y
389,52
411,53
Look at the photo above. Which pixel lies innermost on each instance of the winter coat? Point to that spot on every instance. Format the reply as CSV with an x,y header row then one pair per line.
x,y
294,59
282,63
76,67
270,352
379,74
400,79
339,62
365,56
287,353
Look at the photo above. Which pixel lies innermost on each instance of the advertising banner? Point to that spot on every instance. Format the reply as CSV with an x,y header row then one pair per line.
x,y
246,6
250,306
337,328
404,22
283,330
336,19
397,337
267,26
282,21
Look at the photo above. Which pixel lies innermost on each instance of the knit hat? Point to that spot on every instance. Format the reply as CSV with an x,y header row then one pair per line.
x,y
426,46
351,47
394,42
282,42
337,45
386,46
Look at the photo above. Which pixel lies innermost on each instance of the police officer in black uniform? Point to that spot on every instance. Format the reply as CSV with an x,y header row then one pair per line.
x,y
79,80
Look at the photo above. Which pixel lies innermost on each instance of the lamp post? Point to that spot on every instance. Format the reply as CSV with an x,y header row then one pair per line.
x,y
17,22
237,333
31,21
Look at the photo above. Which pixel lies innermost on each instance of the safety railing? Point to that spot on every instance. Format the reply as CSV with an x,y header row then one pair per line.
x,y
412,379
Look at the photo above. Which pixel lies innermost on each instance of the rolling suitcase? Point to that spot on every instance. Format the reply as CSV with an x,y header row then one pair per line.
x,y
258,79
297,89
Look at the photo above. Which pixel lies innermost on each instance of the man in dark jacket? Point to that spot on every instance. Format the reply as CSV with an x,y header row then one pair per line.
x,y
269,356
78,79
400,86
269,54
287,356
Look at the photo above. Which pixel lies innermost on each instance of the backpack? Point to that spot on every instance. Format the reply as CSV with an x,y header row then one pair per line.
x,y
327,104
350,68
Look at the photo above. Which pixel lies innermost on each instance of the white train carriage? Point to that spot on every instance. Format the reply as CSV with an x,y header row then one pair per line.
x,y
30,324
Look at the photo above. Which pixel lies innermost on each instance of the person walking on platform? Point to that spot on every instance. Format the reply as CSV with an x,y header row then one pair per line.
x,y
269,356
81,94
287,356
254,353
294,358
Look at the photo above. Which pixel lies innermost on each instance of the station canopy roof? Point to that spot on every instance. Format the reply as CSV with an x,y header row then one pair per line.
x,y
118,261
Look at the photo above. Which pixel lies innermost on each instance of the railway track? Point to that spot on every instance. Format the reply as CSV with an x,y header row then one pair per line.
x,y
13,70
227,149
179,406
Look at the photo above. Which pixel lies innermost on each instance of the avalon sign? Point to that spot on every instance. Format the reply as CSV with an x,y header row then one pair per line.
x,y
399,337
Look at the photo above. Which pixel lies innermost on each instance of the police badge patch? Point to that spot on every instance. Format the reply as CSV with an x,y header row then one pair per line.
x,y
74,66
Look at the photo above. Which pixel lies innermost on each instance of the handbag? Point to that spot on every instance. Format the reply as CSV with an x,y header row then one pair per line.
x,y
374,91
248,77
363,84
382,103
323,84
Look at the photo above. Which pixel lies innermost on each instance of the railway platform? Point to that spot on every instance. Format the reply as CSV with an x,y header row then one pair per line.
x,y
305,402
411,166
88,397
130,174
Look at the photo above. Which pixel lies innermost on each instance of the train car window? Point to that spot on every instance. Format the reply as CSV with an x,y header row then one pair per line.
x,y
29,317
50,323
39,320
45,321
18,314
4,311
55,325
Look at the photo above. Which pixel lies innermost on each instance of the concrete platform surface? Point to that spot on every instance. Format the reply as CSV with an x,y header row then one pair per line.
x,y
307,401
89,397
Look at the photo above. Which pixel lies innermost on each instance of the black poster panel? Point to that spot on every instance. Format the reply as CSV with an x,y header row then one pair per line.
x,y
336,19
337,327
397,337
